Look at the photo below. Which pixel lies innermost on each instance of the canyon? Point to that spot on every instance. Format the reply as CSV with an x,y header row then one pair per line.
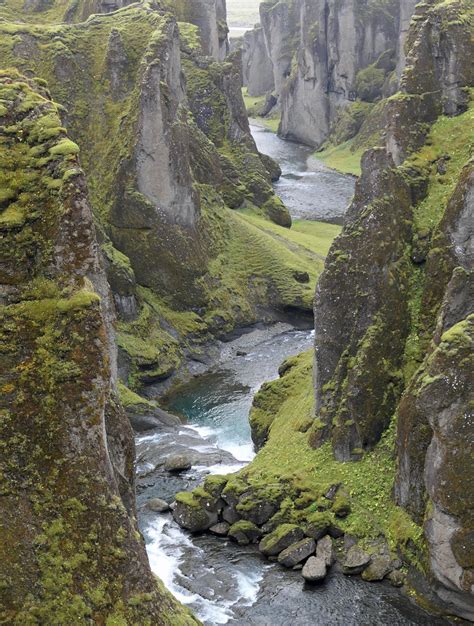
x,y
156,246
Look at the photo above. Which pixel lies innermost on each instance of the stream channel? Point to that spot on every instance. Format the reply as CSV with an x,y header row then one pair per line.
x,y
219,581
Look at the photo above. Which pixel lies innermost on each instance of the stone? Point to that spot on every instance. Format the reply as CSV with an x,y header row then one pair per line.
x,y
355,561
193,517
325,550
301,277
177,463
280,539
244,532
258,512
297,552
158,505
230,515
221,529
377,569
314,570
396,578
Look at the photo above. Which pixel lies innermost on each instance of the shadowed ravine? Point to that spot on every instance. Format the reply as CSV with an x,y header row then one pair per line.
x,y
221,582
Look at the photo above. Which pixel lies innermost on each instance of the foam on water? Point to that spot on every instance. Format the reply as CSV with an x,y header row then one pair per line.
x,y
166,544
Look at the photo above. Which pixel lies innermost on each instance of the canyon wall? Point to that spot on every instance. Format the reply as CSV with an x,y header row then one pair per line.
x,y
394,305
325,56
69,545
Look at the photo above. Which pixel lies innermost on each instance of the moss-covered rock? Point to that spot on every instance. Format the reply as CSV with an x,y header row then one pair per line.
x,y
70,550
280,539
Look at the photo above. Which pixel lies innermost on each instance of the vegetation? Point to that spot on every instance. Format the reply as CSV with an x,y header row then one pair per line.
x,y
255,105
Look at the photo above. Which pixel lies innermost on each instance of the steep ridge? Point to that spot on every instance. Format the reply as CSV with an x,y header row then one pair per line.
x,y
69,545
375,442
326,56
166,148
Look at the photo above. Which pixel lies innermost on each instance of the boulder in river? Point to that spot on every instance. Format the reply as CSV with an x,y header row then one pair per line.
x,y
325,550
356,560
221,529
178,463
230,515
191,514
245,532
297,552
314,570
378,568
158,505
280,539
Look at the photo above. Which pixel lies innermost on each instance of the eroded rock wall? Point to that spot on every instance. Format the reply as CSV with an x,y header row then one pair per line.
x,y
69,546
394,305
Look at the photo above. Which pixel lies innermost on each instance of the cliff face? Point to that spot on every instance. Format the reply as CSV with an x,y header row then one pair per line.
x,y
69,547
166,148
324,56
394,305
257,67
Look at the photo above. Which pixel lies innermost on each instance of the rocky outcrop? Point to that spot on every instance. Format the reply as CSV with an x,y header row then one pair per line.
x,y
324,56
335,43
70,550
210,16
399,347
257,67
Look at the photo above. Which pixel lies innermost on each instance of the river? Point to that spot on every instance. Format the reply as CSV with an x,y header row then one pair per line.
x,y
221,582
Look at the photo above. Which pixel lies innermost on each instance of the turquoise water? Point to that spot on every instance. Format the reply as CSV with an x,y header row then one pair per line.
x,y
217,404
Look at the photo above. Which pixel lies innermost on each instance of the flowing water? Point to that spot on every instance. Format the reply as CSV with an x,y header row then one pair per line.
x,y
220,581
309,189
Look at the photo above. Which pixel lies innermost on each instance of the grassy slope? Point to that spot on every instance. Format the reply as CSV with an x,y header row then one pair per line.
x,y
242,12
254,106
287,456
342,158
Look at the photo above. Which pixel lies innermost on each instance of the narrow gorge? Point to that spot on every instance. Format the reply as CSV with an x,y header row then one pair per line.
x,y
237,311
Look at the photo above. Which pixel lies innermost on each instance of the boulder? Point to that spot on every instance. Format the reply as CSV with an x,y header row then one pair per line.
x,y
356,560
189,513
396,578
297,552
280,539
377,569
230,515
158,505
314,569
325,550
244,532
177,463
221,529
258,512
301,277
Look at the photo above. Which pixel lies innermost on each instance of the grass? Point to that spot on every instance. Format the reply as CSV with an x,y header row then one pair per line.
x,y
342,158
288,457
243,12
449,136
254,105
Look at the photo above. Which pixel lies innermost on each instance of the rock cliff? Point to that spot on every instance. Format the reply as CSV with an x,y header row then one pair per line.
x,y
70,549
325,56
404,263
166,148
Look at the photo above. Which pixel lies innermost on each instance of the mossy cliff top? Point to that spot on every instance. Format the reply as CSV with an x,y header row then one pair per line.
x,y
69,548
166,153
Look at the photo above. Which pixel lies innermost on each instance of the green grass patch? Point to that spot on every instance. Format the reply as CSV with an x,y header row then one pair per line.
x,y
288,458
254,106
449,137
342,158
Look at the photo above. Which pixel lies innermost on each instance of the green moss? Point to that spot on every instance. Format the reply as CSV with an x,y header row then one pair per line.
x,y
64,148
187,498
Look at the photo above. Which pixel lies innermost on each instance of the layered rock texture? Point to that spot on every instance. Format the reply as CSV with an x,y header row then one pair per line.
x,y
324,56
168,154
69,547
394,304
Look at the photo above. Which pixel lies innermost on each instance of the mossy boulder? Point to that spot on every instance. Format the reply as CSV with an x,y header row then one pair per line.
x,y
192,513
280,539
244,532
